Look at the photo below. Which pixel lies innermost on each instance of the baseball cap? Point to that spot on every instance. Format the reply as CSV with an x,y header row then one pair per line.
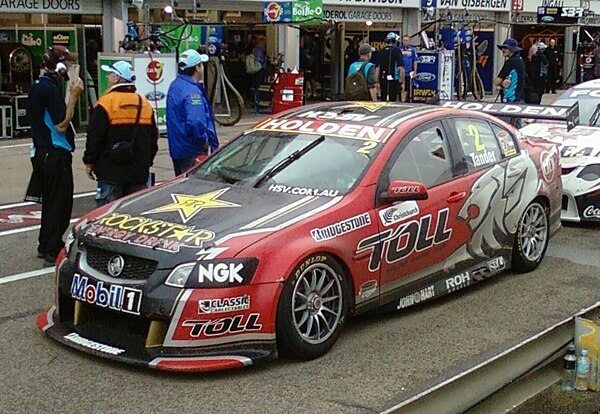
x,y
510,44
57,54
191,58
364,49
121,68
391,36
541,45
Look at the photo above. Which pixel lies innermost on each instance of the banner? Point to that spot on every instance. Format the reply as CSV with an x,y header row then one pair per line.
x,y
309,11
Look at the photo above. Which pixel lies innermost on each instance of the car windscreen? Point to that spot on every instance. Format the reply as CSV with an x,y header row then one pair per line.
x,y
587,107
333,165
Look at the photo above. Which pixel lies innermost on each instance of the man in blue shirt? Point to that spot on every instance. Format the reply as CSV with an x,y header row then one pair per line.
x,y
410,59
53,140
191,126
511,78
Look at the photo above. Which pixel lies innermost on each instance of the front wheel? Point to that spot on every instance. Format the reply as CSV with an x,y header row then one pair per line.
x,y
531,240
312,308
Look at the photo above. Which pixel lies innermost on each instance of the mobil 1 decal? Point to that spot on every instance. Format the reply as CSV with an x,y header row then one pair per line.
x,y
397,244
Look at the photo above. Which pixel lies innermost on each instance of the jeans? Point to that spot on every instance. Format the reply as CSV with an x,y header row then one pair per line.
x,y
182,165
107,192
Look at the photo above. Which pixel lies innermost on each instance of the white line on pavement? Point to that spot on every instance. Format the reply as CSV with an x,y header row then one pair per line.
x,y
28,203
29,144
24,229
26,275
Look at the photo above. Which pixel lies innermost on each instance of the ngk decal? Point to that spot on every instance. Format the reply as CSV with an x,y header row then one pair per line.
x,y
220,273
457,282
229,325
399,243
101,294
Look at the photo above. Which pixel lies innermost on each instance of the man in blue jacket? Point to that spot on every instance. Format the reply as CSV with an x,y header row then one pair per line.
x,y
191,126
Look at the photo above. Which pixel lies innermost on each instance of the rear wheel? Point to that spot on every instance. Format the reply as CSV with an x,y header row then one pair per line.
x,y
312,308
531,240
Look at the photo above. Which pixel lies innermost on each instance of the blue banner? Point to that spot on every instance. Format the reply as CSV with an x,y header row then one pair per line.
x,y
425,83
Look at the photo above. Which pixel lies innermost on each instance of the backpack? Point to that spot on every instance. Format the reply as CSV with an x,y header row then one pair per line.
x,y
356,87
253,66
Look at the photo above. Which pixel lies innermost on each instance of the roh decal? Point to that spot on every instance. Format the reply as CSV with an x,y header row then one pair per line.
x,y
224,326
343,227
416,297
547,165
96,346
223,305
398,212
592,212
458,282
115,297
150,233
397,244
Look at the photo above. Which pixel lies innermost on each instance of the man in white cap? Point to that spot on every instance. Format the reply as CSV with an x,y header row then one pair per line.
x,y
191,126
122,137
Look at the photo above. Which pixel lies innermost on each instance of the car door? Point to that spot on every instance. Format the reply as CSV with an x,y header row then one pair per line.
x,y
418,238
495,173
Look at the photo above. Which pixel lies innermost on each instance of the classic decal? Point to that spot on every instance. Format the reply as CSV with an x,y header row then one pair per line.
x,y
189,205
115,297
340,228
416,297
458,282
95,346
547,165
335,129
223,305
398,212
278,188
591,212
149,233
223,326
399,243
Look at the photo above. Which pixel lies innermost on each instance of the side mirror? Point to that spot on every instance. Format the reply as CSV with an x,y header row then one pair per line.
x,y
405,191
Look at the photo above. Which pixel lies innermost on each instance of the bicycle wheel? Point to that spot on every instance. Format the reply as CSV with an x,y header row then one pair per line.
x,y
229,106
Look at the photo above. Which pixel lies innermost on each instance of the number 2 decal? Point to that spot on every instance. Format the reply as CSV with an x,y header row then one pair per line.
x,y
474,132
367,147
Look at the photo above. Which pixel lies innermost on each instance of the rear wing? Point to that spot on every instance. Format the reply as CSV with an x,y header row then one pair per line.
x,y
570,114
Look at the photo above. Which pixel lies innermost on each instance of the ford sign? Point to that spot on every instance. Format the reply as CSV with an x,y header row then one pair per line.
x,y
548,19
155,96
425,77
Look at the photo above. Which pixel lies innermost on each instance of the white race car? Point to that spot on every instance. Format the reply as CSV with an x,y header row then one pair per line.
x,y
580,151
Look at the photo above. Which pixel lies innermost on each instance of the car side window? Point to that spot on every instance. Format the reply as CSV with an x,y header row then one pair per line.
x,y
506,140
478,142
425,159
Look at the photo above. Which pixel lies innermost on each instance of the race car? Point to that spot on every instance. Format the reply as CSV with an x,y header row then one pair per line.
x,y
580,152
313,215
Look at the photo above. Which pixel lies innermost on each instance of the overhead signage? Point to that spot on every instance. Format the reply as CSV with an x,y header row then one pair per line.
x,y
563,15
517,5
524,18
52,6
358,14
495,5
310,11
390,4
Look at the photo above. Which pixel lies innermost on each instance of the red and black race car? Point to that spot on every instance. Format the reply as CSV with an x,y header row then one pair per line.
x,y
313,215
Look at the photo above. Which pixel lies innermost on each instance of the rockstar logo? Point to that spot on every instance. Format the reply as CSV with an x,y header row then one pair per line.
x,y
189,205
372,106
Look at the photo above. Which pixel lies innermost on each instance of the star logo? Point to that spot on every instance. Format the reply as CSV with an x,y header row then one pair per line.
x,y
372,106
189,205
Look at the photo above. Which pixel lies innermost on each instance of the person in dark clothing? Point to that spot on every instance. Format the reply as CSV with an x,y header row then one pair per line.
x,y
537,69
351,53
554,60
53,142
390,69
511,78
122,137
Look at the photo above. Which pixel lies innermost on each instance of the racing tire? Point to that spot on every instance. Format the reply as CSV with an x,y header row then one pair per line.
x,y
312,309
531,240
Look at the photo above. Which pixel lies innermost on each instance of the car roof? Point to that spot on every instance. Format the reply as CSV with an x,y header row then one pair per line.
x,y
592,84
383,114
